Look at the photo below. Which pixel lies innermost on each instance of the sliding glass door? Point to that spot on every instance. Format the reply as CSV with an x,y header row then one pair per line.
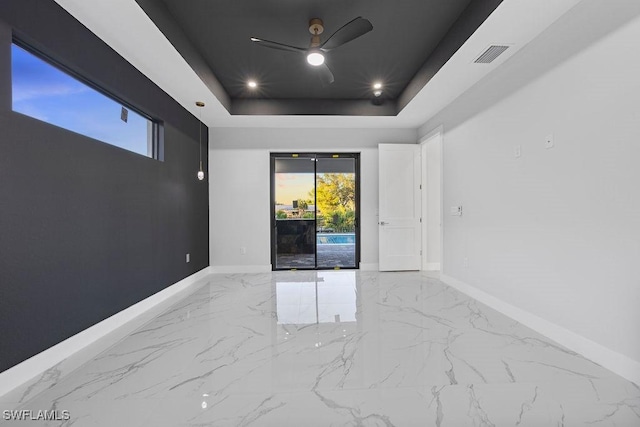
x,y
315,200
336,209
294,218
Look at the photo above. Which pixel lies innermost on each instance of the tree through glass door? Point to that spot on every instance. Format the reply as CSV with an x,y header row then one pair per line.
x,y
315,201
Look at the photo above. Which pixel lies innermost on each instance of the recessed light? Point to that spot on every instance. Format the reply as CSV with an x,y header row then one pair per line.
x,y
252,84
377,85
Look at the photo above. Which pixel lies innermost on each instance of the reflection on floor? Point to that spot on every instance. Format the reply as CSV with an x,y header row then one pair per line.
x,y
304,299
329,256
335,348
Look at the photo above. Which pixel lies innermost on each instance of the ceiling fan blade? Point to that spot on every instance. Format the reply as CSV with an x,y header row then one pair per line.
x,y
276,45
325,74
351,30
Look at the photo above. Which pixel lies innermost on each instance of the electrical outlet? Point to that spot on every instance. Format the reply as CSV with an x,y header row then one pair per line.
x,y
466,262
517,151
548,141
243,250
188,257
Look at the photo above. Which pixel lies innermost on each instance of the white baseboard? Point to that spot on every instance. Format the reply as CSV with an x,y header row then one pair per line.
x,y
609,359
369,266
85,345
432,266
240,269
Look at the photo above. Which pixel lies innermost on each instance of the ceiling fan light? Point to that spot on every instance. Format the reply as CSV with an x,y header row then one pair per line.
x,y
377,93
315,58
377,85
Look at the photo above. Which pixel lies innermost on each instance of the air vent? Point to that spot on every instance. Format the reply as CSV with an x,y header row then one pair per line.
x,y
490,54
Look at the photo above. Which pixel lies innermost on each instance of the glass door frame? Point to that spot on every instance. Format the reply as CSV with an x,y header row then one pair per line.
x,y
272,210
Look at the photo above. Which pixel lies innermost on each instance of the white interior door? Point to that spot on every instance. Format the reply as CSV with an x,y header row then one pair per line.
x,y
400,206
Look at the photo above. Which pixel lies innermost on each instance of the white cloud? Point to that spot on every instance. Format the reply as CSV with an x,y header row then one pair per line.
x,y
34,91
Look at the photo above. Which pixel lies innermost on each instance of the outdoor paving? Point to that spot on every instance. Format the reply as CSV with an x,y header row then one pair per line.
x,y
329,256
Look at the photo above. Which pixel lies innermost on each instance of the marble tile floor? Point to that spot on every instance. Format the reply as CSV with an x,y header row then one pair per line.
x,y
334,348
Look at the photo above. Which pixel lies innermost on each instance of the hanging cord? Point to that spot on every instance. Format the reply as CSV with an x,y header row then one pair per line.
x,y
200,104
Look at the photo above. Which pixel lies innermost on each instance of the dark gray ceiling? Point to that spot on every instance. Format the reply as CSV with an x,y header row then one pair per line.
x,y
410,41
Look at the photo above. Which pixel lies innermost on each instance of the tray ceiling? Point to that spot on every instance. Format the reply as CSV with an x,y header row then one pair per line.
x,y
411,40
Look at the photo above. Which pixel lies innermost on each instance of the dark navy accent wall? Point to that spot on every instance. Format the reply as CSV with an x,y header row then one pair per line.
x,y
88,229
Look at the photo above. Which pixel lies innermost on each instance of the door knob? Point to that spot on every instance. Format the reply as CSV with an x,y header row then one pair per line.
x,y
383,223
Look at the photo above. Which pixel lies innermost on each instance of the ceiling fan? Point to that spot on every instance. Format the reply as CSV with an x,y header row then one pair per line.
x,y
315,52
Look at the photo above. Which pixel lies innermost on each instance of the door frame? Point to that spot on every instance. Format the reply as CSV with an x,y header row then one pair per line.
x,y
272,200
435,136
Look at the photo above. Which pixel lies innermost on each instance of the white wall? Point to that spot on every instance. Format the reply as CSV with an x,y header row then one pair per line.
x,y
555,232
431,151
239,208
239,187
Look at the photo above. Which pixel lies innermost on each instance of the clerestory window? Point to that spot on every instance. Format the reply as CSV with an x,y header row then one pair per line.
x,y
44,91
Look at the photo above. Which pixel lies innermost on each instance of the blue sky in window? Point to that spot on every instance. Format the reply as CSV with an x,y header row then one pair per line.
x,y
44,92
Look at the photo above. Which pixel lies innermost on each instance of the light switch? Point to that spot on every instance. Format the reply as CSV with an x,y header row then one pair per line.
x,y
517,151
456,210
